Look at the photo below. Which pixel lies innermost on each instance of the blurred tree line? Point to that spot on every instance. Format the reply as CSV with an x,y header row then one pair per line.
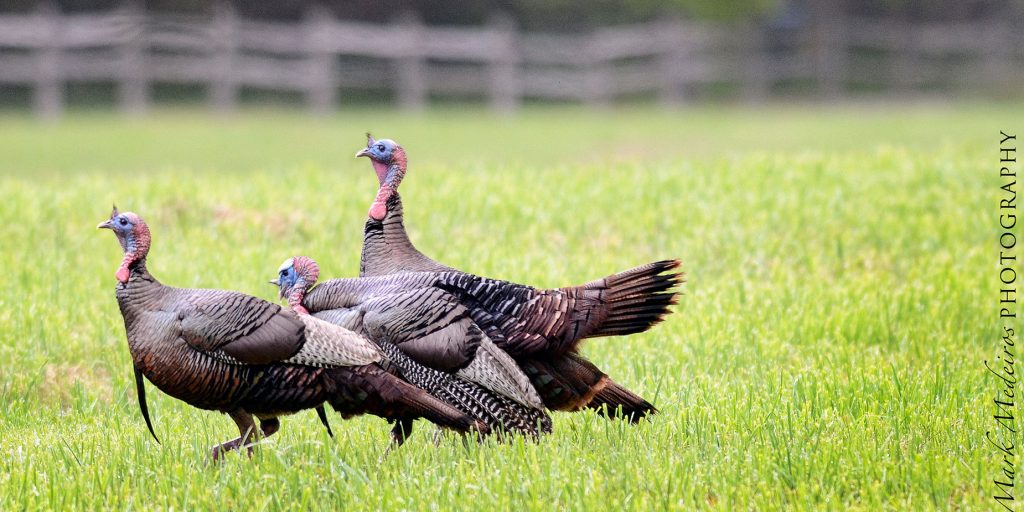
x,y
564,15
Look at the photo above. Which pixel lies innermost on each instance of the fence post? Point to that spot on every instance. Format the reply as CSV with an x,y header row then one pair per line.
x,y
505,86
671,63
48,97
755,79
598,92
904,68
224,89
322,76
829,48
999,40
412,86
133,93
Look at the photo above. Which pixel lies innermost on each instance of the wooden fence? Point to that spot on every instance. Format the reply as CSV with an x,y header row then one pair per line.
x,y
321,57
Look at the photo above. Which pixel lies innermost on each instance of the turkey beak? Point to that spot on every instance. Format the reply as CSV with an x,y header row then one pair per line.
x,y
363,152
107,224
281,292
275,282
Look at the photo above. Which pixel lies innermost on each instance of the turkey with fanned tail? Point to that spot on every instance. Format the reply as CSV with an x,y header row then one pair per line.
x,y
541,329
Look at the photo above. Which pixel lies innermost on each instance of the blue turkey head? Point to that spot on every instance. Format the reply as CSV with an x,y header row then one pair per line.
x,y
133,235
286,277
382,150
296,275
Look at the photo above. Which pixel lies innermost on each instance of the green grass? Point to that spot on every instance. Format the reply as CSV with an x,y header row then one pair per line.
x,y
826,354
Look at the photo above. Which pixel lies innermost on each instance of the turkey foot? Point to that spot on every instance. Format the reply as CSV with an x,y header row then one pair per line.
x,y
221,449
247,429
399,433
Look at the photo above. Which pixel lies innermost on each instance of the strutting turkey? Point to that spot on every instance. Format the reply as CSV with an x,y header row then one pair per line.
x,y
414,328
238,354
541,329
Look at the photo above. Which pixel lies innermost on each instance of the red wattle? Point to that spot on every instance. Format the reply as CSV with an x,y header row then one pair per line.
x,y
123,274
295,301
378,210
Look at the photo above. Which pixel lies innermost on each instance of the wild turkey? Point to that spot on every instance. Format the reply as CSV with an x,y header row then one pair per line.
x,y
440,319
521,319
234,353
380,320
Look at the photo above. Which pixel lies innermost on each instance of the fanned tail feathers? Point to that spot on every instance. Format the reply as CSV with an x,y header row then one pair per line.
x,y
636,299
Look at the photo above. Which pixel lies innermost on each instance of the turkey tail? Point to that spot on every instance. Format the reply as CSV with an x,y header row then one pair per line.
x,y
499,413
421,404
387,396
635,300
614,400
567,382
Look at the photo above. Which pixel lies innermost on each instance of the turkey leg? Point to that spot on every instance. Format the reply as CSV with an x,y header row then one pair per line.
x,y
247,429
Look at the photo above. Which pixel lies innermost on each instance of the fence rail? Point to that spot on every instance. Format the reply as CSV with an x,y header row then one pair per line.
x,y
320,56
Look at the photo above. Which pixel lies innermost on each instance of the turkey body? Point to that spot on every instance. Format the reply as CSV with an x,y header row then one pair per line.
x,y
231,352
439,318
541,329
430,339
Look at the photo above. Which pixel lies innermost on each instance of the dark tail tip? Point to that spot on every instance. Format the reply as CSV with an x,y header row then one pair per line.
x,y
140,389
615,401
323,419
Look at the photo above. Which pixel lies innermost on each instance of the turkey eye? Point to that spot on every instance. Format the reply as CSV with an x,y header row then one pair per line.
x,y
380,147
123,222
284,272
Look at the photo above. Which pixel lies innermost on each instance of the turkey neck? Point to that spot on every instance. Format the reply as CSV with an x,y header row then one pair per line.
x,y
387,248
141,293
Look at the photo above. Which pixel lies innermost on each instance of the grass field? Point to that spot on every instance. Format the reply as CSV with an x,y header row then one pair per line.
x,y
827,352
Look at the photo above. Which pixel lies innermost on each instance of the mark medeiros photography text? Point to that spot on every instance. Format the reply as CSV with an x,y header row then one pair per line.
x,y
1003,434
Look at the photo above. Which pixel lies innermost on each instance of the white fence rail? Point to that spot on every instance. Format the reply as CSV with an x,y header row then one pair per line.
x,y
320,57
